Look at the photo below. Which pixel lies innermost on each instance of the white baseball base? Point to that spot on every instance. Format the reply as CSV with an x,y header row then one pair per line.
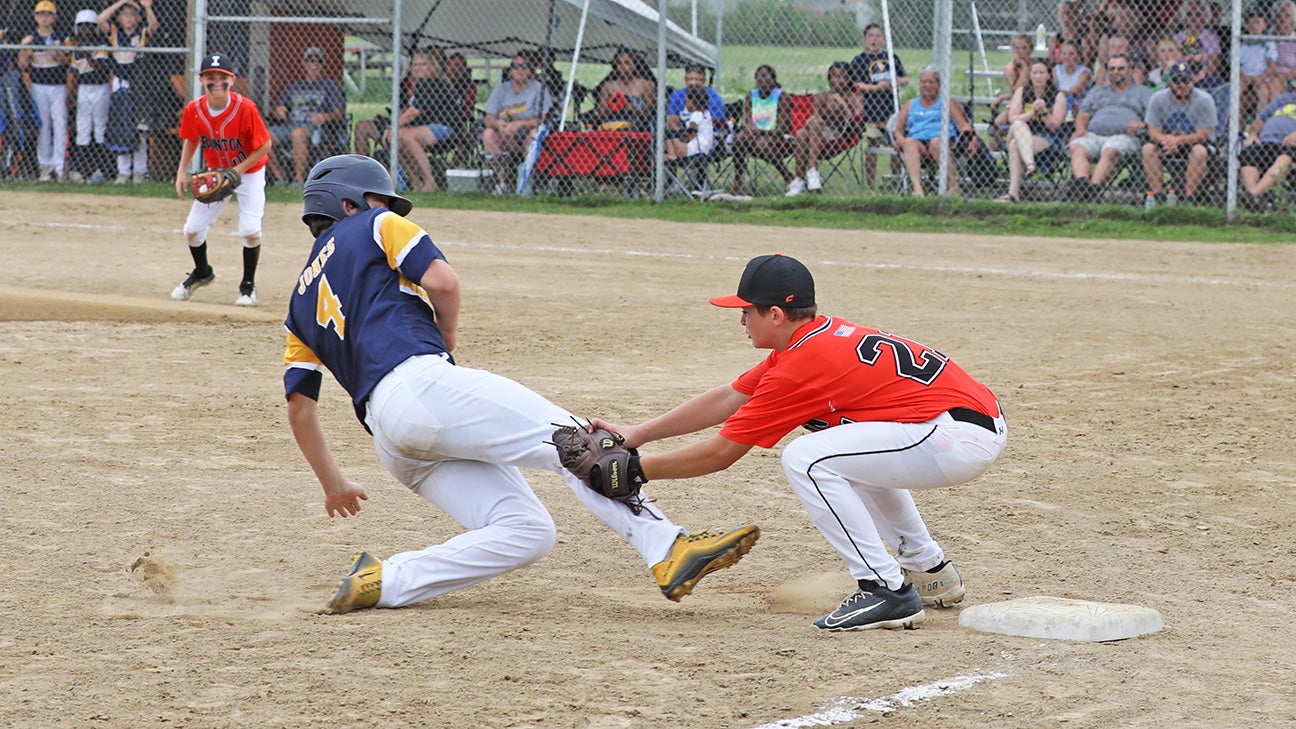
x,y
1062,619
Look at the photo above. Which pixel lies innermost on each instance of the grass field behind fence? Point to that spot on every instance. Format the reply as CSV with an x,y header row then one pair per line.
x,y
801,69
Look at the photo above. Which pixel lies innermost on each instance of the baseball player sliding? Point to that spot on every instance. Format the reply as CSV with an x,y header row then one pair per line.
x,y
378,305
235,142
887,414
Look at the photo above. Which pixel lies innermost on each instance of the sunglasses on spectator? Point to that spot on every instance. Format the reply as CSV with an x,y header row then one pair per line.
x,y
519,65
1181,79
1118,68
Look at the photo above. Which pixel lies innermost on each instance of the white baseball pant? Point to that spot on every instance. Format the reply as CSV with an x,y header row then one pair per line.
x,y
51,141
854,481
251,208
457,436
92,113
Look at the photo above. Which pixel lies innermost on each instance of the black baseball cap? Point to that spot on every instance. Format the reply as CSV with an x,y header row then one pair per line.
x,y
1178,69
772,280
217,62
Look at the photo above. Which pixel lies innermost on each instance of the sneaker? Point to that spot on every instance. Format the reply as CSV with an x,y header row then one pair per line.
x,y
814,183
694,556
97,177
191,282
46,173
876,607
501,189
361,587
942,588
247,295
795,187
121,180
76,177
138,178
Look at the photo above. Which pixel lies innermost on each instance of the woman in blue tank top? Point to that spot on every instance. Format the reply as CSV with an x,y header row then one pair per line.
x,y
917,135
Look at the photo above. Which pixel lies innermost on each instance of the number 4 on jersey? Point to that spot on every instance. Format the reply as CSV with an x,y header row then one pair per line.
x,y
328,308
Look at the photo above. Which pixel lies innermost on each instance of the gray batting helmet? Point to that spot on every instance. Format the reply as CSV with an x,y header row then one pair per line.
x,y
349,177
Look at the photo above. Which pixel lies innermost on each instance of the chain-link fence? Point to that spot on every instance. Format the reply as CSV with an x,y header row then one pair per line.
x,y
841,97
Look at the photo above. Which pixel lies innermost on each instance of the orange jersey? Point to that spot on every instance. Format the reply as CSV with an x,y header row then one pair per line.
x,y
226,138
836,372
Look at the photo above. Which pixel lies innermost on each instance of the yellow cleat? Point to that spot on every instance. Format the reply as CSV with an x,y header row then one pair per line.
x,y
361,587
693,556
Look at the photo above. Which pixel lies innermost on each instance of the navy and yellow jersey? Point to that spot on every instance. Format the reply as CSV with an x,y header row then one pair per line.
x,y
124,60
358,309
47,61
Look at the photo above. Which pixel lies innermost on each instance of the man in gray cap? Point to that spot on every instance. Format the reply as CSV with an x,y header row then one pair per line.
x,y
1181,121
311,110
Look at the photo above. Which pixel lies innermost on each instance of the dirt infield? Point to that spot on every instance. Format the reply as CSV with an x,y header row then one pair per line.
x,y
168,551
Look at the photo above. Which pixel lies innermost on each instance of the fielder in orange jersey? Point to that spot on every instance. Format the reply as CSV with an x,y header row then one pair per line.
x,y
229,129
886,415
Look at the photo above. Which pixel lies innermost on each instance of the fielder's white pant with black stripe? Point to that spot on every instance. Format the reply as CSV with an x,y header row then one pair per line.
x,y
457,436
854,481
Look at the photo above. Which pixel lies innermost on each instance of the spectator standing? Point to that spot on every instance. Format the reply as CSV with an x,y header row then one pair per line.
x,y
1107,128
46,69
1035,116
1180,123
1268,147
432,116
875,73
837,113
513,113
1167,54
1072,77
918,135
310,110
1199,44
766,132
120,22
93,74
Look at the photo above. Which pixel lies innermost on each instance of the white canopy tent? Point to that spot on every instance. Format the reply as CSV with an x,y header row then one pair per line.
x,y
569,29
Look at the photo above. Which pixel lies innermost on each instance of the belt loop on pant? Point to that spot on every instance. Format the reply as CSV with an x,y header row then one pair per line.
x,y
968,415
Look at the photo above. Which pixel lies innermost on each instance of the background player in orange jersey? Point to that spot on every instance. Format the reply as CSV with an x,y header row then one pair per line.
x,y
229,129
886,415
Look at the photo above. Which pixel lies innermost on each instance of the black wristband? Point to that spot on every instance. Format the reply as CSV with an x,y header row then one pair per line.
x,y
635,471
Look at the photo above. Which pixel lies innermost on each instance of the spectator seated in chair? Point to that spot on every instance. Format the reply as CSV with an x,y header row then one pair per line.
x,y
1270,147
309,109
432,115
627,99
694,78
1108,128
1035,115
513,113
766,132
1180,122
699,128
917,136
838,114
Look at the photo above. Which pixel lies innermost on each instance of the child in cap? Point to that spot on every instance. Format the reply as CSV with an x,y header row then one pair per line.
x,y
126,33
47,71
227,126
93,74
